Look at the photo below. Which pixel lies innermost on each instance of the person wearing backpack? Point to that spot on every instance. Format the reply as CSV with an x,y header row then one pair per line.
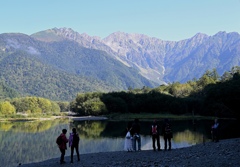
x,y
167,134
155,135
73,143
62,144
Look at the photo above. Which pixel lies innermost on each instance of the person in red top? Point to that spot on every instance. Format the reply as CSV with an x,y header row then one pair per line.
x,y
155,133
63,145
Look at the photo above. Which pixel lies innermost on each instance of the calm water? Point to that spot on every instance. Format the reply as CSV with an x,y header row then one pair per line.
x,y
26,142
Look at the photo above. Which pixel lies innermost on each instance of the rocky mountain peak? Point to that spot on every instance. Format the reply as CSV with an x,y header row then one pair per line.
x,y
66,32
160,60
200,36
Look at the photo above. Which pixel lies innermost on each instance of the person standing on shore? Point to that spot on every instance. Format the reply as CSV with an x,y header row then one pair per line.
x,y
215,131
167,134
155,135
73,143
62,144
128,140
136,135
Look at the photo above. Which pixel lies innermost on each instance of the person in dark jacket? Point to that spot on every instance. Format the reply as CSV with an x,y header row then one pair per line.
x,y
136,135
73,143
155,133
63,145
167,134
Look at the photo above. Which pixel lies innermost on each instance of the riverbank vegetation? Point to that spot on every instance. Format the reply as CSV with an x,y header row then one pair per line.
x,y
30,108
210,95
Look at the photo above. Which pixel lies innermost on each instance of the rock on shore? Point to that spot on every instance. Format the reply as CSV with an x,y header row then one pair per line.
x,y
225,153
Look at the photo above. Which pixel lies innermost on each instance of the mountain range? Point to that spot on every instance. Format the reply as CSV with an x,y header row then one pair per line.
x,y
158,60
60,62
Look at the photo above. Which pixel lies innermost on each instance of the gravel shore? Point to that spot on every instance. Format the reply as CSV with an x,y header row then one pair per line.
x,y
225,153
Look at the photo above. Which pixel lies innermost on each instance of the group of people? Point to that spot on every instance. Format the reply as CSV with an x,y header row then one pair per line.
x,y
133,137
73,144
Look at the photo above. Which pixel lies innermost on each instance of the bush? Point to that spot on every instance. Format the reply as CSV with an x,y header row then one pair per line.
x,y
6,108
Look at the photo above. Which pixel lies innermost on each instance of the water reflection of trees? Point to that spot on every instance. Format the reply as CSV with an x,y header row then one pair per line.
x,y
89,129
183,130
188,136
35,141
24,142
30,126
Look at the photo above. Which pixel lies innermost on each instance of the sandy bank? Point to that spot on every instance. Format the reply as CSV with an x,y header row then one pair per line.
x,y
225,153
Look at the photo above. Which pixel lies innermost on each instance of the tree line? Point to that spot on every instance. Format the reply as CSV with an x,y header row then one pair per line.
x,y
210,95
30,106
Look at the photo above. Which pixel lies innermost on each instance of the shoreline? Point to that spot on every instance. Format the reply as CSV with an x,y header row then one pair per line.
x,y
72,116
83,118
224,153
80,118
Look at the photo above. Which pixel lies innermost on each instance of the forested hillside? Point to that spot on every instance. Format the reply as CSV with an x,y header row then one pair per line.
x,y
60,70
7,92
30,76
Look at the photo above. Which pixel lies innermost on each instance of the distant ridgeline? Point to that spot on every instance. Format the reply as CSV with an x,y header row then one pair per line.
x,y
59,63
59,70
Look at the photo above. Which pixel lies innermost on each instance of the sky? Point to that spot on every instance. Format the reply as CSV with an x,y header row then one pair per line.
x,y
171,20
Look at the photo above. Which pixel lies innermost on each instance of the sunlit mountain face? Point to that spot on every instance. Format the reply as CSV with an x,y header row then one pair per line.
x,y
158,60
68,62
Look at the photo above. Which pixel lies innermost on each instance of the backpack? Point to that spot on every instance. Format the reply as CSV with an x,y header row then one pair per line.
x,y
75,139
59,140
154,129
168,129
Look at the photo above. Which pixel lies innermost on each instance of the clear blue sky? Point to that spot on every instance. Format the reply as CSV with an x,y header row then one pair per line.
x,y
165,19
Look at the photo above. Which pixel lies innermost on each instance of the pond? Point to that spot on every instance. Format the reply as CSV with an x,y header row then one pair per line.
x,y
33,141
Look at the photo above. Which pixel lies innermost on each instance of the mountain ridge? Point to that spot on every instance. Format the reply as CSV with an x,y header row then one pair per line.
x,y
155,58
64,64
122,60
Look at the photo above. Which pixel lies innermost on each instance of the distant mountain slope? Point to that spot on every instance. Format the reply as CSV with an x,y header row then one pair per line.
x,y
181,60
30,76
59,70
7,92
115,63
163,61
69,56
